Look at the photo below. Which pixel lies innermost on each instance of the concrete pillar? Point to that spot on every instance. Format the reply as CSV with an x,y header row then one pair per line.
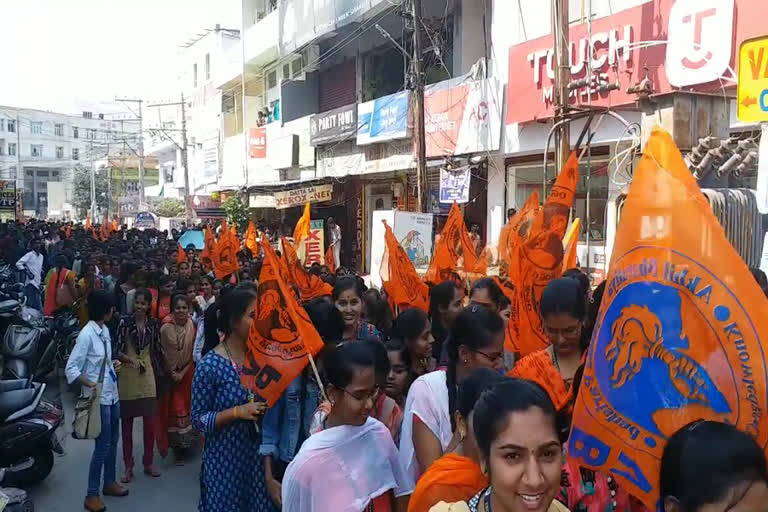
x,y
496,216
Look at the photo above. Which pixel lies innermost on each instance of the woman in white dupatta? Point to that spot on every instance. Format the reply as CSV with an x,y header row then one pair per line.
x,y
352,464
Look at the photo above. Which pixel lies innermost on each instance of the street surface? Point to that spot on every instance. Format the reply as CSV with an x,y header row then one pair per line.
x,y
178,488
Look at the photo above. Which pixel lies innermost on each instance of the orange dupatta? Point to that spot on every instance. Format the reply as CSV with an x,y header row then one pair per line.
x,y
451,478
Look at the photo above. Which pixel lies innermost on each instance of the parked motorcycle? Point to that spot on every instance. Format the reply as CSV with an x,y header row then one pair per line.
x,y
28,344
31,431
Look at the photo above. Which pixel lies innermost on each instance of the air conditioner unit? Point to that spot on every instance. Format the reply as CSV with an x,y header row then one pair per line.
x,y
310,56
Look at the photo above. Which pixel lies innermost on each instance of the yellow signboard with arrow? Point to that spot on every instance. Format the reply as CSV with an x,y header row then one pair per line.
x,y
753,80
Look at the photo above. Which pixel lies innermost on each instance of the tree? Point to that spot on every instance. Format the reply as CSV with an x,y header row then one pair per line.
x,y
170,207
237,213
81,190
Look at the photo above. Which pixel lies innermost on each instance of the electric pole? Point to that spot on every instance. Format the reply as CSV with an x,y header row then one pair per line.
x,y
418,108
183,149
185,161
141,146
93,181
562,50
19,169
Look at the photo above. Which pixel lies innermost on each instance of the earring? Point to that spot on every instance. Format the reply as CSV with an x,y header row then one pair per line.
x,y
466,361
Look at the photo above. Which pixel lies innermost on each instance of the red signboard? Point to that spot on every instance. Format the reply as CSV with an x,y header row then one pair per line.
x,y
257,143
630,45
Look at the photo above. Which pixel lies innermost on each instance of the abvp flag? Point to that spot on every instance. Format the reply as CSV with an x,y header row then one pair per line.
x,y
537,259
310,286
679,335
454,244
224,256
282,336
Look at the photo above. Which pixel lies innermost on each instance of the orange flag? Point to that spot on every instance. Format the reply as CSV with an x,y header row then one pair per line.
x,y
537,259
330,259
224,255
517,228
206,257
571,244
310,286
680,334
87,222
181,256
93,234
301,231
454,243
282,336
398,276
250,239
115,226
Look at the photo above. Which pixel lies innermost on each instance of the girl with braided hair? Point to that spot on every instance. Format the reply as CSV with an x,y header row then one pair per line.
x,y
476,341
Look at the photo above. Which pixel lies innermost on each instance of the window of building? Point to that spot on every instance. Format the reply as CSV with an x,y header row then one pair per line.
x,y
54,174
75,154
207,66
36,150
36,127
272,79
194,75
2,124
58,130
12,125
42,173
92,133
75,132
11,149
2,147
59,152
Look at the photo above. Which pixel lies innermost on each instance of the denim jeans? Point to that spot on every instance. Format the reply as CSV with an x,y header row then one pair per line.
x,y
34,300
105,450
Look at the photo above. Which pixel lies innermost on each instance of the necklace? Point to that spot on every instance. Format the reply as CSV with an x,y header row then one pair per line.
x,y
238,367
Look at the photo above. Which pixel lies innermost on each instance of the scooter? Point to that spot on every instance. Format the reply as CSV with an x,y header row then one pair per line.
x,y
28,344
31,431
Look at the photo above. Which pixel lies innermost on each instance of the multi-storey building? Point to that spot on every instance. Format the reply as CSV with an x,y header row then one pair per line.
x,y
40,149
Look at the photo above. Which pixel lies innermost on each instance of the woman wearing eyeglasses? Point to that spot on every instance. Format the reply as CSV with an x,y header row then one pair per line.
x,y
476,341
352,463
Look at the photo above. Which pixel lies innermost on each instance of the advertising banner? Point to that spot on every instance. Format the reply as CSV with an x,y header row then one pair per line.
x,y
463,118
699,53
383,119
301,21
334,125
7,195
454,185
313,246
301,196
257,143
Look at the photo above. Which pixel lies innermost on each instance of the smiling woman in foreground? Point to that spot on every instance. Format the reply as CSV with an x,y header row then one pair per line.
x,y
514,423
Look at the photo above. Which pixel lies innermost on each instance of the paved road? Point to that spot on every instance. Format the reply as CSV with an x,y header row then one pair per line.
x,y
64,490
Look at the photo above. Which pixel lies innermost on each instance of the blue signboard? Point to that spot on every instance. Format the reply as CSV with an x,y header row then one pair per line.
x,y
454,186
383,119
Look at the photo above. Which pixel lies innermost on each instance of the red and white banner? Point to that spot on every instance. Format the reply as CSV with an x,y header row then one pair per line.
x,y
257,143
462,118
632,45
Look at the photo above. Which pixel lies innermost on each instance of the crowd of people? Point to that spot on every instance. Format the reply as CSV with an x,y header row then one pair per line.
x,y
414,411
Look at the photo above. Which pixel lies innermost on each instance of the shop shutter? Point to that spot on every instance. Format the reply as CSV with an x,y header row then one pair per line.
x,y
337,86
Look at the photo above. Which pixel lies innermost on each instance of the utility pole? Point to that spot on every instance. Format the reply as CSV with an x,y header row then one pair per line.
x,y
185,161
93,181
418,108
183,149
109,184
141,146
19,169
562,50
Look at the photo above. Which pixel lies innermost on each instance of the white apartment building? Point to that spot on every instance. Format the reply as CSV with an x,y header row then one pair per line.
x,y
47,146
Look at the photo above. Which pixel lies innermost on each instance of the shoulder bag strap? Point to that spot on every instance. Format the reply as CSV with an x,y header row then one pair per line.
x,y
104,362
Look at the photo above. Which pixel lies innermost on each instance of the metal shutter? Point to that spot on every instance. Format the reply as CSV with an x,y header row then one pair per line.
x,y
337,86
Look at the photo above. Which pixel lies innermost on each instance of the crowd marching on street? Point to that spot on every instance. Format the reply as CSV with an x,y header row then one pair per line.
x,y
459,390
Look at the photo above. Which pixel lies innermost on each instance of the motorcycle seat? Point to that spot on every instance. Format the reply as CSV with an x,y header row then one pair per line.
x,y
12,401
8,305
12,385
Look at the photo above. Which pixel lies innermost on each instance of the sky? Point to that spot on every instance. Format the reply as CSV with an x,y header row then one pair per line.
x,y
73,55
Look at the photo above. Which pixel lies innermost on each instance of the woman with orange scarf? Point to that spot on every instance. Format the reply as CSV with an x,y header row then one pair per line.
x,y
177,340
457,476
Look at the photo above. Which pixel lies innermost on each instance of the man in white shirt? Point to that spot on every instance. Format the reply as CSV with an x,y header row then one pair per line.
x,y
32,264
334,240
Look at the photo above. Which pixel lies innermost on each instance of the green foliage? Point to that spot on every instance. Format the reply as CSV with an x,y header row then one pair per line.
x,y
170,207
81,189
237,213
